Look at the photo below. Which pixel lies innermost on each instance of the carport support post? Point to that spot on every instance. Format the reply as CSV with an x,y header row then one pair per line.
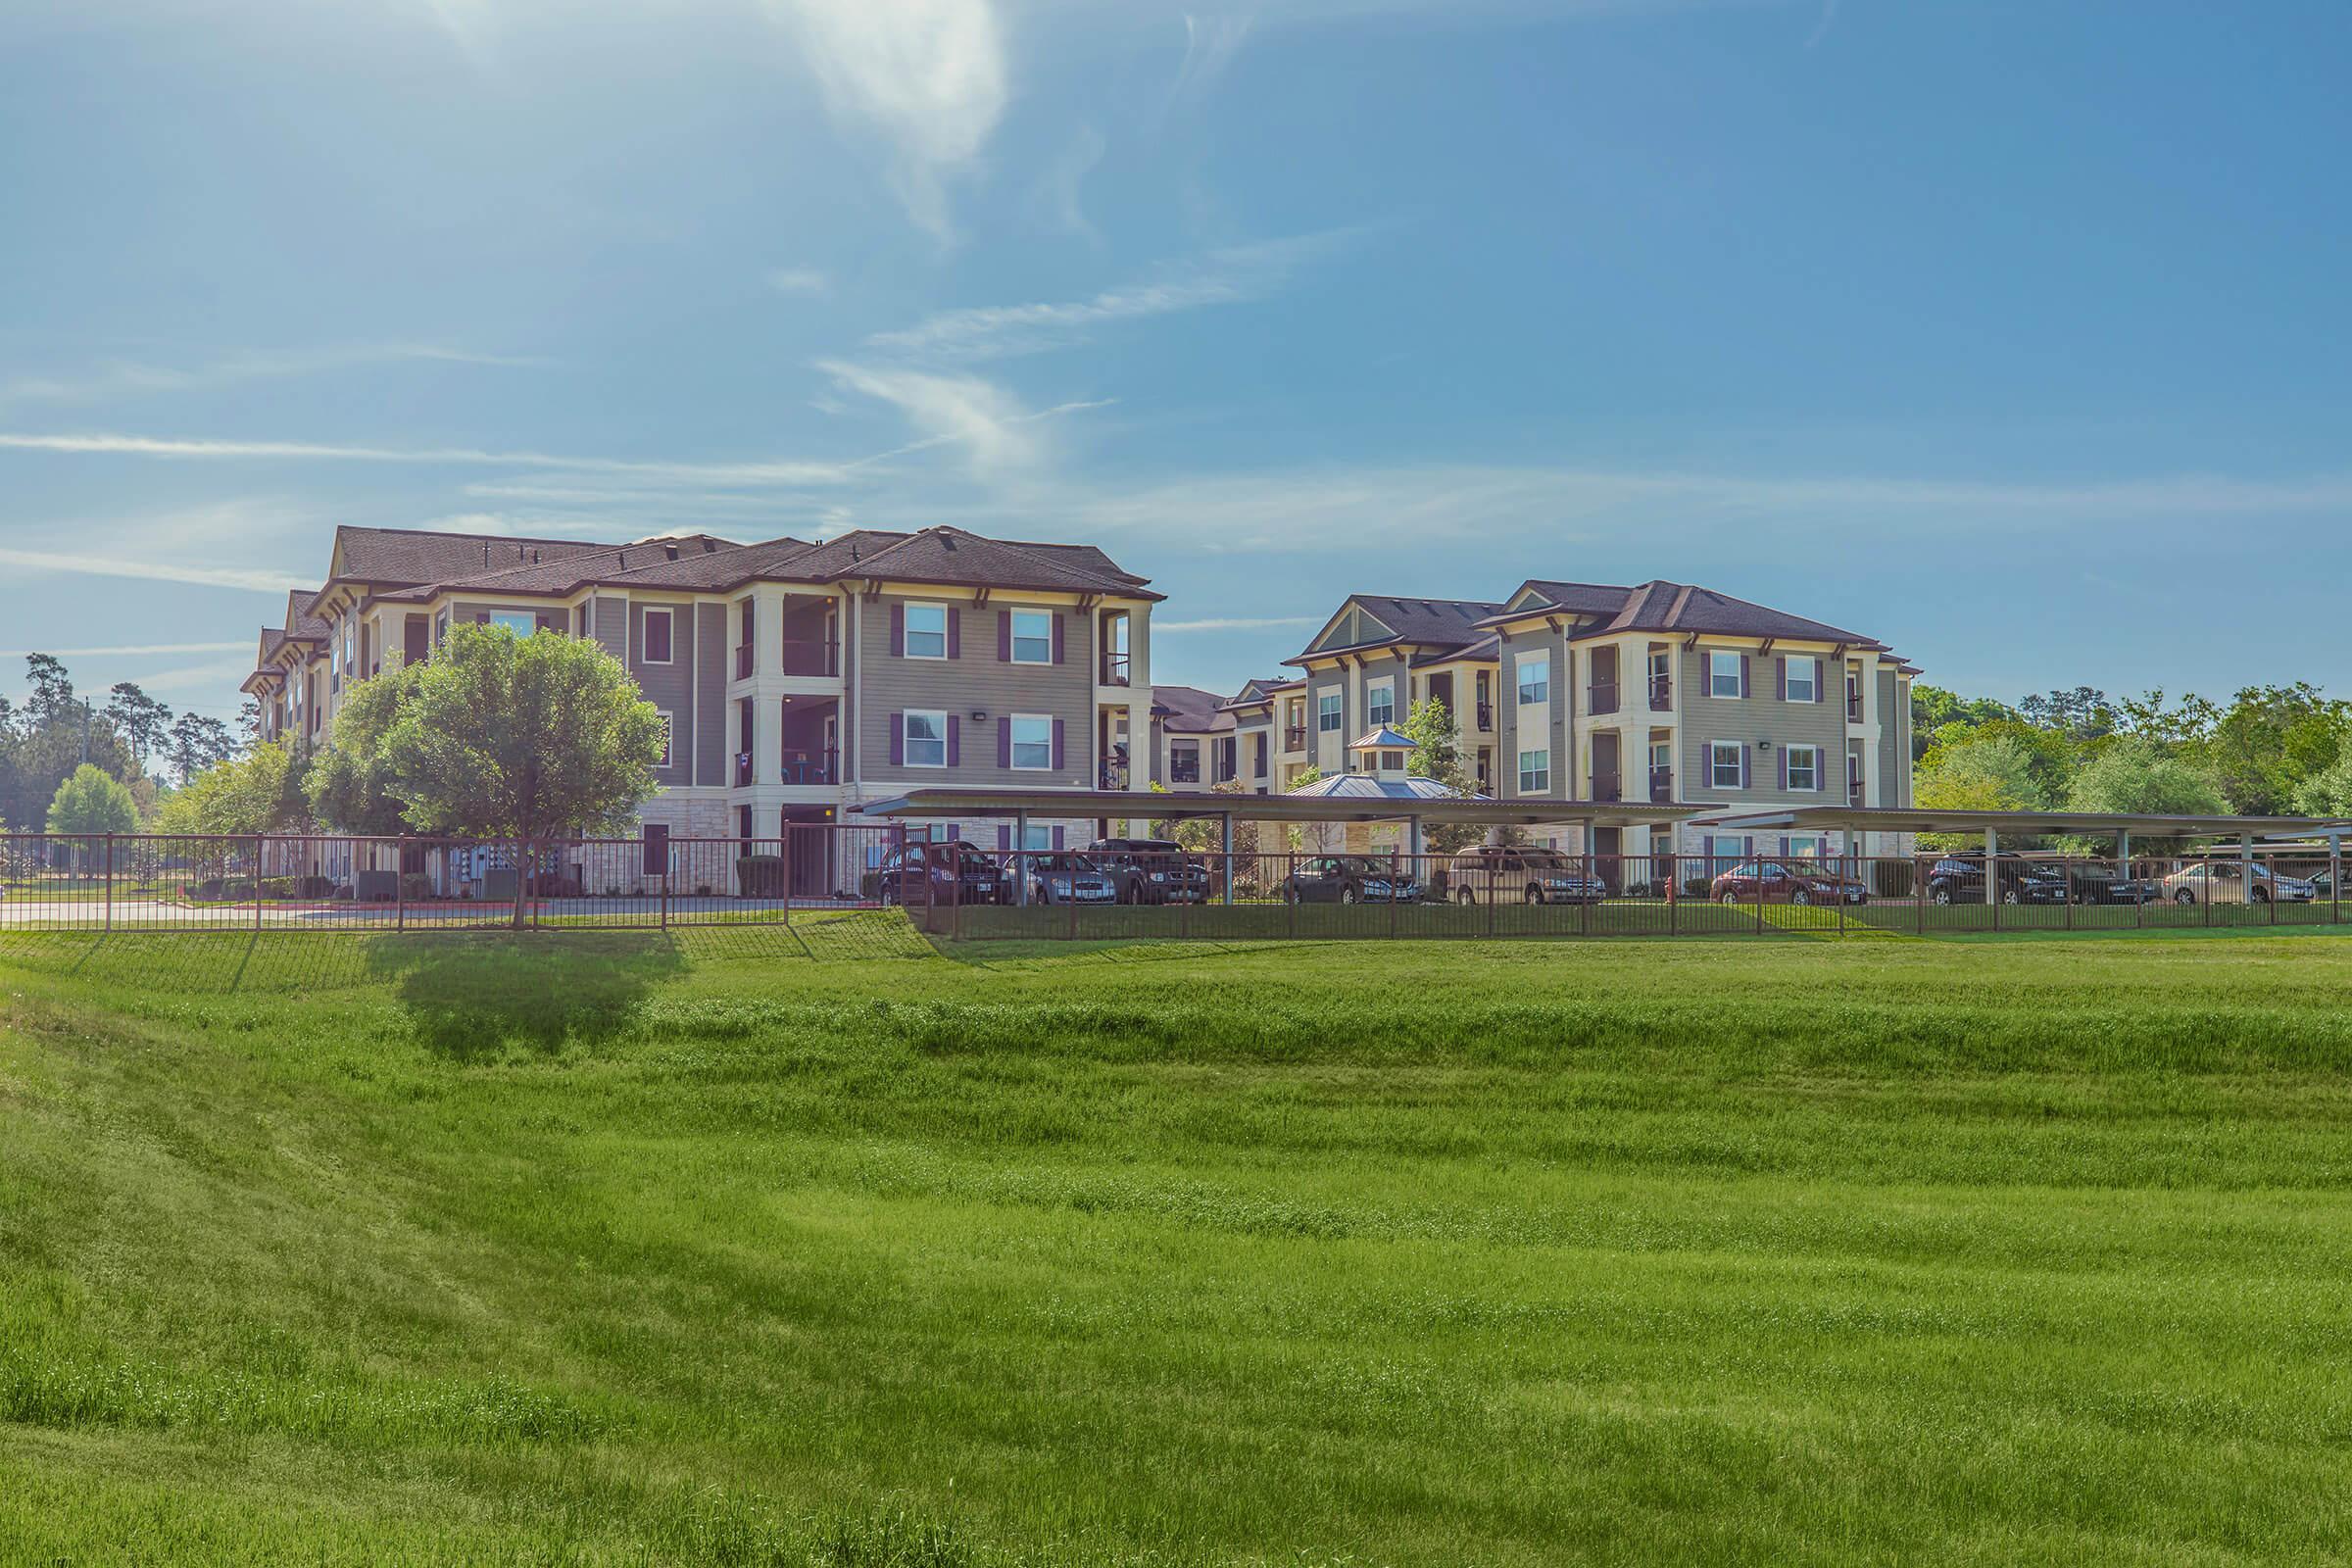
x,y
2335,879
1992,874
2123,871
1020,870
2245,855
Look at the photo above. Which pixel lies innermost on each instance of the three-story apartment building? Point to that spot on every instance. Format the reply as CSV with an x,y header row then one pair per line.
x,y
797,680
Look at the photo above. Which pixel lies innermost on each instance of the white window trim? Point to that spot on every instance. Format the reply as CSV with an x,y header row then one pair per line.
x,y
1338,709
1714,764
1014,761
906,630
1519,666
643,641
1712,655
498,616
669,739
906,737
1386,686
1816,754
1545,768
1810,658
1046,637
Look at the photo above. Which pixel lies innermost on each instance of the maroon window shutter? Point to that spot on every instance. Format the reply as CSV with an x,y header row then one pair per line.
x,y
1783,846
1004,837
1004,742
1744,687
1057,639
954,632
1058,838
481,617
955,742
1779,669
897,631
1003,636
1745,774
1057,732
1783,768
897,740
954,832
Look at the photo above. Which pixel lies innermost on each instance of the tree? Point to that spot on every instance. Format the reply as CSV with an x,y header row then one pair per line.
x,y
2271,739
260,791
197,741
52,691
2327,793
2141,777
91,801
1996,773
1936,710
144,724
1437,754
522,738
1313,837
351,785
249,722
2082,714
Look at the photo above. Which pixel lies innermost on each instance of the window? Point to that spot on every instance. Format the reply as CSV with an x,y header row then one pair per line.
x,y
1034,838
655,641
1379,703
927,635
441,628
1805,679
1184,761
1391,762
1326,712
351,635
1535,677
1032,636
1727,672
519,625
1804,765
666,734
1806,847
1723,852
1032,740
926,738
1535,772
1727,764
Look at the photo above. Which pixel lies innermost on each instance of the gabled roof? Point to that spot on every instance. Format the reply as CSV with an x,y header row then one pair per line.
x,y
954,556
1670,608
1381,737
1409,622
1253,692
301,625
407,555
1189,709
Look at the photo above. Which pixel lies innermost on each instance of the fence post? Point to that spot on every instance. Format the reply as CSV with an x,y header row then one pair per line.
x,y
109,883
1844,860
1673,894
1290,891
400,885
1583,899
1759,864
1395,870
257,884
1919,887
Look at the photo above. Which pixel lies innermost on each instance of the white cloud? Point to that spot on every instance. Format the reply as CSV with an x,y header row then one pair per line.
x,y
1209,44
213,677
258,579
798,281
931,74
141,446
987,420
1062,192
120,378
1228,277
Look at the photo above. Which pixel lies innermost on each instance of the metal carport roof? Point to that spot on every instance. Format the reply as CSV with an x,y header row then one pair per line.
x,y
945,802
1916,819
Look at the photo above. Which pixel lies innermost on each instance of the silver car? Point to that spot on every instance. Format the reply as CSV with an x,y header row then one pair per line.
x,y
2225,882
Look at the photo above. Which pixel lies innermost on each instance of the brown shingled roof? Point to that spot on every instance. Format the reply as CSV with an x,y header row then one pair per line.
x,y
409,555
1678,608
1190,708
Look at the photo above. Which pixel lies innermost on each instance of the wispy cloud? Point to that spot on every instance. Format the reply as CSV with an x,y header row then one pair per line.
x,y
1236,623
213,677
258,579
1228,277
118,378
1061,193
1209,44
130,650
930,74
798,281
984,418
141,446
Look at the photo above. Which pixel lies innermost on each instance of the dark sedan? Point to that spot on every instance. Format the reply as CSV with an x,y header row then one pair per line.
x,y
1769,882
1150,870
1061,878
1349,879
1960,879
952,872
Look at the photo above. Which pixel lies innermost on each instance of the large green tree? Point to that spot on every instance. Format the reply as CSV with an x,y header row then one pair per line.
x,y
1437,754
522,738
1992,772
352,786
92,801
260,791
144,724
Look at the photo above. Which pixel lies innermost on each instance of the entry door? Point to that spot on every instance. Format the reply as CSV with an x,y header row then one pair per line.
x,y
1608,782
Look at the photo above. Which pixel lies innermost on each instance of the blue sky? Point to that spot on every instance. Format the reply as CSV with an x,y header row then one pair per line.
x,y
2004,333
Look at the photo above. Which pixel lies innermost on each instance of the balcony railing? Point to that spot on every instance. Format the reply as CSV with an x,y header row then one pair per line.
x,y
811,768
1853,706
1854,792
743,768
1183,772
1116,669
1603,698
1607,787
1661,695
812,655
743,661
1486,715
1114,775
1294,737
1661,784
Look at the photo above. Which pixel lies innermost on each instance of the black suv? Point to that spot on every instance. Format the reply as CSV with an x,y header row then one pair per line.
x,y
1150,870
957,873
1960,879
1350,879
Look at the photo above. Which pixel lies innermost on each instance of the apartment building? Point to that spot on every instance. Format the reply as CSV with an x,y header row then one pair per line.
x,y
1663,692
798,681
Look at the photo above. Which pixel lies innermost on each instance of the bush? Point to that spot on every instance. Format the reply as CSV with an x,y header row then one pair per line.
x,y
277,887
760,876
416,885
316,886
1702,887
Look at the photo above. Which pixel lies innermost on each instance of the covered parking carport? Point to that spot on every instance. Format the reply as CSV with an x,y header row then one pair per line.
x,y
1418,812
1997,827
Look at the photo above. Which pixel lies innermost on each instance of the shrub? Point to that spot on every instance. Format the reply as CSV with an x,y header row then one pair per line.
x,y
760,876
1698,887
318,887
277,887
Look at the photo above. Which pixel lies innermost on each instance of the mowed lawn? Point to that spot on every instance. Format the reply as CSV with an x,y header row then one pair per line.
x,y
826,1248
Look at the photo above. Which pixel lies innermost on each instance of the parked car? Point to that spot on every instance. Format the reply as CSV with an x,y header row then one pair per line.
x,y
1960,879
1149,870
1349,879
1059,878
956,872
2225,882
1529,875
1772,882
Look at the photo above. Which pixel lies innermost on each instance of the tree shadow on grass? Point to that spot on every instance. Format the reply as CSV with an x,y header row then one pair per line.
x,y
473,997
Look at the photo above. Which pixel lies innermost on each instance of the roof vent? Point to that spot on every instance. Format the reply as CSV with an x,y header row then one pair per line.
x,y
672,551
485,552
947,541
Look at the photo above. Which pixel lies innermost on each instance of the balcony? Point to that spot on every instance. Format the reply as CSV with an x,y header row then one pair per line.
x,y
1294,737
743,769
1114,776
1609,787
1853,706
1486,717
743,661
1661,785
811,768
812,655
1601,698
1661,695
1184,770
1854,792
1114,670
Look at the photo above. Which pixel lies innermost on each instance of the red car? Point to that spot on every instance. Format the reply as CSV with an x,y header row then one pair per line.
x,y
1769,882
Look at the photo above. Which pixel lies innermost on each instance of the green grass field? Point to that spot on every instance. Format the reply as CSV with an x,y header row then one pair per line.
x,y
823,1247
